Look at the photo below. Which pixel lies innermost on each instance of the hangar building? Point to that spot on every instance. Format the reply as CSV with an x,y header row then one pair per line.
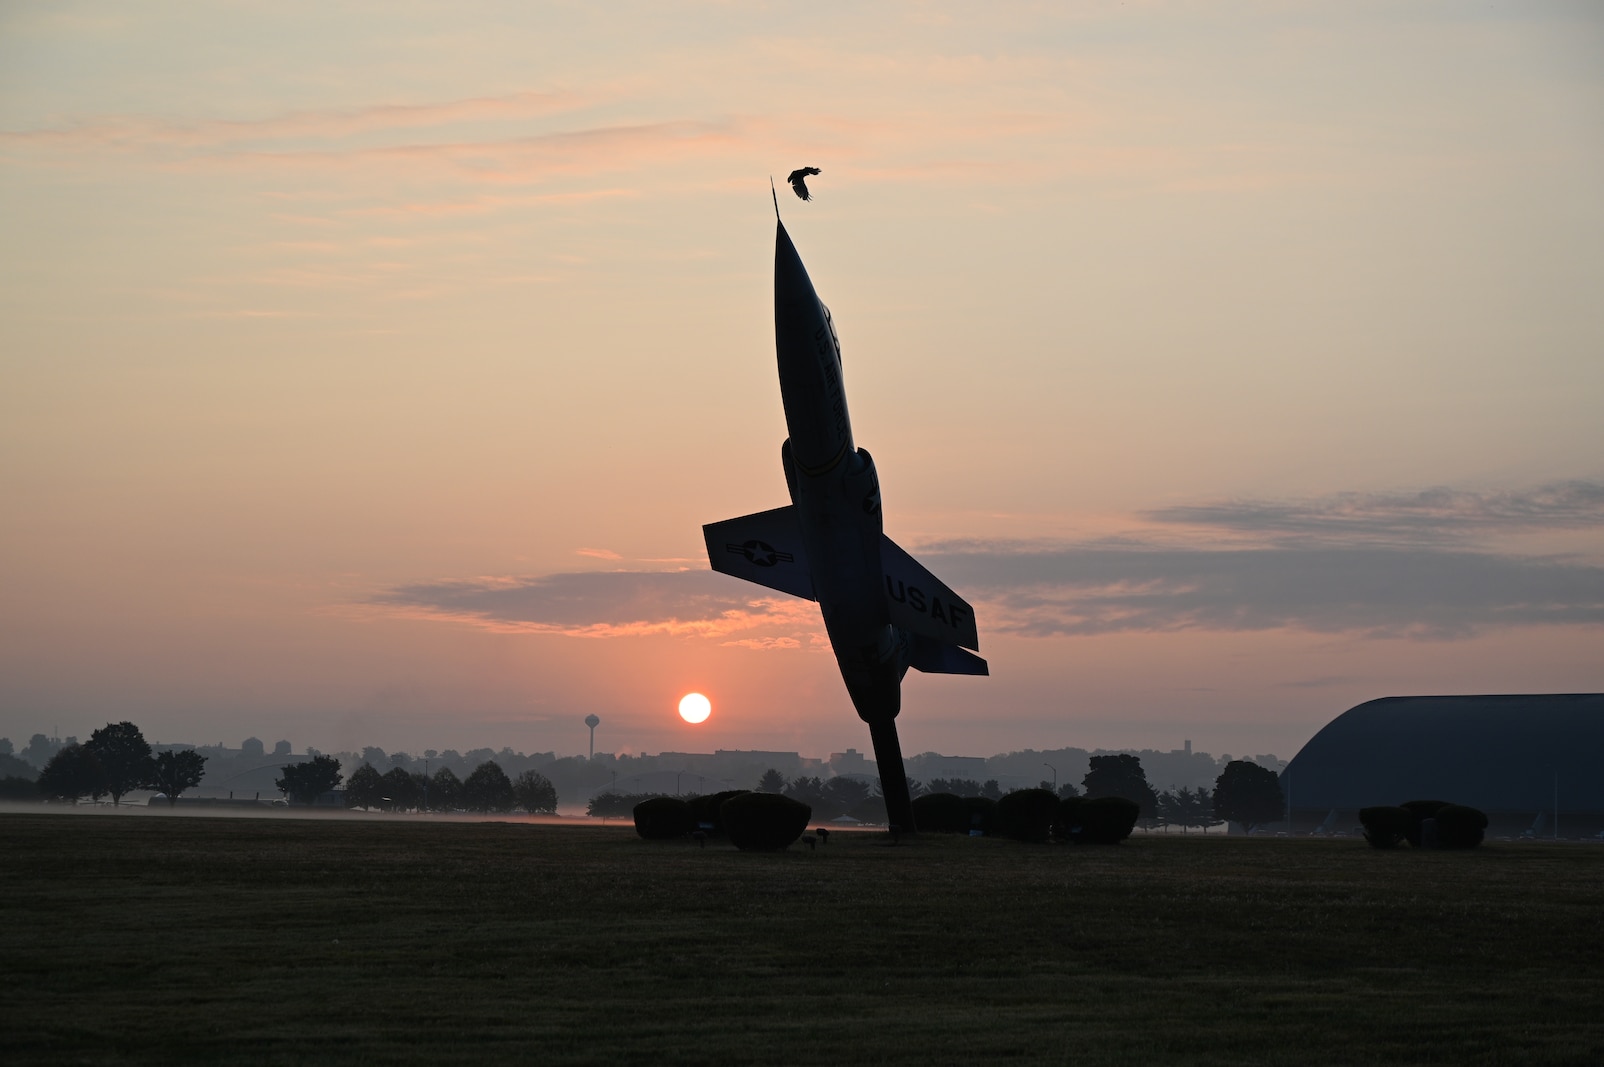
x,y
1523,759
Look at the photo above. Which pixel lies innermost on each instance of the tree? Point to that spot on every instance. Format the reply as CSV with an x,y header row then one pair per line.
x,y
39,750
1169,810
365,788
124,757
771,782
445,790
12,767
16,787
488,789
72,772
1198,806
809,791
535,793
174,772
841,795
400,790
609,804
1249,794
305,782
1121,776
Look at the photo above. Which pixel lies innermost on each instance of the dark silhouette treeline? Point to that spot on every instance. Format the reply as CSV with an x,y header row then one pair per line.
x,y
489,780
115,761
486,789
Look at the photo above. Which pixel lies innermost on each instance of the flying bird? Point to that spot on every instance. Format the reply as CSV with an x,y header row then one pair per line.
x,y
799,185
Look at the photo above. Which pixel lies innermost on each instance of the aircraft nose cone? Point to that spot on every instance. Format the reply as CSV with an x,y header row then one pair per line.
x,y
791,281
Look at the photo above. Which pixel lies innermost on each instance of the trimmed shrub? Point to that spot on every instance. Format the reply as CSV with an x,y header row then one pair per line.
x,y
1459,826
707,810
1388,827
940,813
1027,814
663,818
764,822
1419,811
982,812
1104,820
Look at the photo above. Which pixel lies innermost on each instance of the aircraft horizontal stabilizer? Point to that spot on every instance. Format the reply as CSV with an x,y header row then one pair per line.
x,y
935,657
921,603
765,548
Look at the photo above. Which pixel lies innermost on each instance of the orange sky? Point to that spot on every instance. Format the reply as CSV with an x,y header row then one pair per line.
x,y
368,372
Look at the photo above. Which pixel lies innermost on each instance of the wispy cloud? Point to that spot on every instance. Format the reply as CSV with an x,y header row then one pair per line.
x,y
608,604
1380,564
1384,564
139,131
1427,516
1379,591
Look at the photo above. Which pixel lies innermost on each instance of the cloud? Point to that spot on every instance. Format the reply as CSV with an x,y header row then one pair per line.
x,y
608,604
1426,516
1393,565
133,131
1380,564
500,149
1378,591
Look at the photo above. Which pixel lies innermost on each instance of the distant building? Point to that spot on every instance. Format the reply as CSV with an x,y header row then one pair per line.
x,y
1516,757
930,765
851,762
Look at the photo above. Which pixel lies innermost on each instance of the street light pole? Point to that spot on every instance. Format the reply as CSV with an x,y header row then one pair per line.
x,y
1050,767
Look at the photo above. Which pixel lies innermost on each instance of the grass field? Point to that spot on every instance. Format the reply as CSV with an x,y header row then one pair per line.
x,y
277,941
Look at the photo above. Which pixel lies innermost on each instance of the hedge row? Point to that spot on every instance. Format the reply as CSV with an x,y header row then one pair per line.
x,y
754,822
1028,815
768,821
1424,824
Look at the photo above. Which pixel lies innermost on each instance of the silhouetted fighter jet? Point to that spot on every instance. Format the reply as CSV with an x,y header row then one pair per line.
x,y
799,185
884,612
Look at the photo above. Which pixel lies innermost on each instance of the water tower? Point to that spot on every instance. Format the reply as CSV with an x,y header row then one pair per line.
x,y
592,722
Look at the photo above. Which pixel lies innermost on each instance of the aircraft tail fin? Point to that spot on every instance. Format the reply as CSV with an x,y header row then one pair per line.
x,y
921,603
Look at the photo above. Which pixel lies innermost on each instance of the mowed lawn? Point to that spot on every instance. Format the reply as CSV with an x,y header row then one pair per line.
x,y
393,940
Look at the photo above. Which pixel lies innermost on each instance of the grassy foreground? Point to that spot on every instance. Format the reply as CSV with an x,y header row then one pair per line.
x,y
269,941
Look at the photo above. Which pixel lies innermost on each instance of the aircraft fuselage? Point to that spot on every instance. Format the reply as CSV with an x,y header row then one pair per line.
x,y
836,492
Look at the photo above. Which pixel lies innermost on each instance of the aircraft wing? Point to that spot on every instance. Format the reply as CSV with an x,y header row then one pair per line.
x,y
921,603
765,548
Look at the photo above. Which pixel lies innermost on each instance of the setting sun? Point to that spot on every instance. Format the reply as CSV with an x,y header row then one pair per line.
x,y
694,707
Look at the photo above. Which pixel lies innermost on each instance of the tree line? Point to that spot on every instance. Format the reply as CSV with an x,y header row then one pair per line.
x,y
117,760
486,789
